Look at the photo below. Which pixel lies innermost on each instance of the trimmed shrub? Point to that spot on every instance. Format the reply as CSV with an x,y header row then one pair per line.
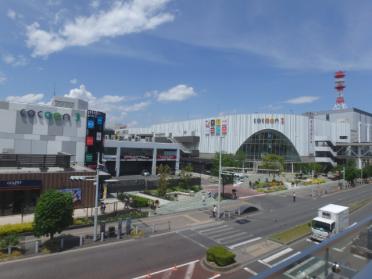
x,y
15,229
220,255
140,202
9,240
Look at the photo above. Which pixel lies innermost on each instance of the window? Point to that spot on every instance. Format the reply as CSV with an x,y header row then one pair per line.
x,y
269,142
327,116
343,137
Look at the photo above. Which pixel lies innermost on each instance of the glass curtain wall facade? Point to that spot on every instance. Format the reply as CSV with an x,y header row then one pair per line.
x,y
269,142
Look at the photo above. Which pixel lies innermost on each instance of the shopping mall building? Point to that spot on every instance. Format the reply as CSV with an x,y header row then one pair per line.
x,y
42,147
324,137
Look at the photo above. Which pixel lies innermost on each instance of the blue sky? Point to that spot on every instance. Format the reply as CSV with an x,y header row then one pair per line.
x,y
150,61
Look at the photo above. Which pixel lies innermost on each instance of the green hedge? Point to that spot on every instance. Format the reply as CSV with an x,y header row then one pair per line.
x,y
140,201
15,228
220,255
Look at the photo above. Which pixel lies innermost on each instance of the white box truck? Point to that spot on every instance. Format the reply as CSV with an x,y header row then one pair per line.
x,y
331,219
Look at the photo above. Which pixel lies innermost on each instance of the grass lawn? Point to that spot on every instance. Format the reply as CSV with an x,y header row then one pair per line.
x,y
292,234
356,205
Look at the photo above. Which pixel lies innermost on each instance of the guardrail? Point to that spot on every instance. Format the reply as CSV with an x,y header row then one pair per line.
x,y
278,270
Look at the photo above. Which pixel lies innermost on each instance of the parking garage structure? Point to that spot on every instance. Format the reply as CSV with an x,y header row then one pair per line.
x,y
122,157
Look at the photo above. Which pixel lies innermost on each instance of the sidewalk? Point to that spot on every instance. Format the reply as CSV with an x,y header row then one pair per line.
x,y
78,213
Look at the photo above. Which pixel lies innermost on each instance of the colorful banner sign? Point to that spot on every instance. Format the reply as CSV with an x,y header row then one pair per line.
x,y
216,127
75,192
218,130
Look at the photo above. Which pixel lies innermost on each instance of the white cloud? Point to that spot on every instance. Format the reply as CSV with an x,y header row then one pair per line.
x,y
11,14
137,107
124,17
115,106
3,78
112,99
302,100
178,93
10,59
74,81
28,98
81,93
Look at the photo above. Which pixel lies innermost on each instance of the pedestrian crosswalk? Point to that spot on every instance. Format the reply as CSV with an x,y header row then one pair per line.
x,y
279,257
226,235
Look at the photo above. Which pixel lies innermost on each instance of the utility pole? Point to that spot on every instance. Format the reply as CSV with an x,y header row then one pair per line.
x,y
219,181
344,170
96,202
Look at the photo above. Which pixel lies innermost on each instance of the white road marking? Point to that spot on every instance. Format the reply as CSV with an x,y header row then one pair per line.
x,y
264,263
166,269
287,258
352,225
338,250
277,255
211,229
234,235
244,242
190,271
247,197
220,233
215,276
250,271
359,257
194,241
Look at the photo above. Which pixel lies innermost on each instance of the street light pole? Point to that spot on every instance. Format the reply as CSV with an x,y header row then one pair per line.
x,y
344,170
96,202
219,181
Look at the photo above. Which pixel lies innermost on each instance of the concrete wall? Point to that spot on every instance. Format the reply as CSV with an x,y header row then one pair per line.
x,y
241,127
21,133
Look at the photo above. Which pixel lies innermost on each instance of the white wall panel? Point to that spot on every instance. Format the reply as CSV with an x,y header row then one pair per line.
x,y
8,121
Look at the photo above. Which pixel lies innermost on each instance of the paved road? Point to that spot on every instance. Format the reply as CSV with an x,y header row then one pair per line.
x,y
139,257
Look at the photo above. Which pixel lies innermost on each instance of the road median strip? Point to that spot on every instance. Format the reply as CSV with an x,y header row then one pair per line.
x,y
292,234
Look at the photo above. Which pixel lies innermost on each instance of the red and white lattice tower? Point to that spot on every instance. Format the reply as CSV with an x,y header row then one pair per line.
x,y
340,86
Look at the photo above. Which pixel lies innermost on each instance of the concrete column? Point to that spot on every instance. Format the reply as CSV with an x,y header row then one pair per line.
x,y
368,131
154,155
117,163
177,161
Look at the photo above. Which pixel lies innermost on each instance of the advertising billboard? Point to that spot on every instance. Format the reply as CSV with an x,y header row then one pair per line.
x,y
75,192
94,136
216,127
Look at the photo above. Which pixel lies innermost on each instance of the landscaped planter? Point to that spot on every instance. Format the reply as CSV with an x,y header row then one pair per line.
x,y
211,266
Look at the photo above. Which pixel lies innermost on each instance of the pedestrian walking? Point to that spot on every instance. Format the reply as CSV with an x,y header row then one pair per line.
x,y
214,211
103,208
294,197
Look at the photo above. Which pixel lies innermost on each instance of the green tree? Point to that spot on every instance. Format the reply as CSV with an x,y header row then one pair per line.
x,y
351,174
273,162
164,172
240,157
185,176
227,160
367,171
53,213
308,168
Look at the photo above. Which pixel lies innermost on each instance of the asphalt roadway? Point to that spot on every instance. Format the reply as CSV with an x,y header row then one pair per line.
x,y
128,259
